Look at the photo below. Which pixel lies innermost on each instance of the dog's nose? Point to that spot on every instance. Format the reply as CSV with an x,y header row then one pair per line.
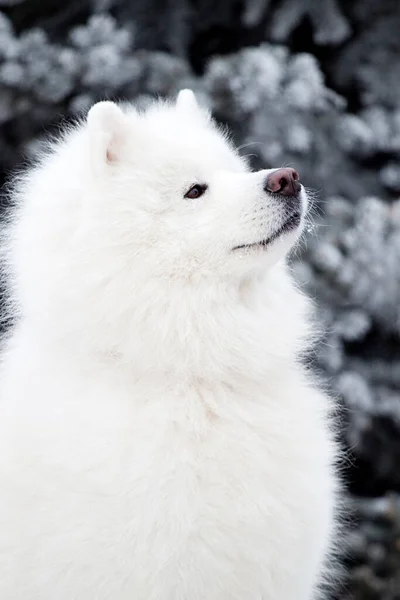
x,y
283,181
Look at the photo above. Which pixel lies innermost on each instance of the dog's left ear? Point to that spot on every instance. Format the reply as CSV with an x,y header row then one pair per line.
x,y
187,102
107,128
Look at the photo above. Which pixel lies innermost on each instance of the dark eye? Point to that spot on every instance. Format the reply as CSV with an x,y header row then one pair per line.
x,y
196,191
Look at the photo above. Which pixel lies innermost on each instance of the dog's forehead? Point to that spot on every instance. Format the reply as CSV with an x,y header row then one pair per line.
x,y
184,146
207,161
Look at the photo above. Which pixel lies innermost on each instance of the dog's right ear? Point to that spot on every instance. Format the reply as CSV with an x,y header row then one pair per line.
x,y
107,128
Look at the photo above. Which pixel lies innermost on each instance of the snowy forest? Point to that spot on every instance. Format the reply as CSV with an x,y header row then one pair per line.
x,y
313,84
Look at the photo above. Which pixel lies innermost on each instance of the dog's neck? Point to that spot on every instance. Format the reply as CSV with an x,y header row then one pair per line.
x,y
207,330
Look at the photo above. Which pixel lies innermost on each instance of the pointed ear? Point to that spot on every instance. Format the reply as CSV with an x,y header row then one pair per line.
x,y
187,100
107,129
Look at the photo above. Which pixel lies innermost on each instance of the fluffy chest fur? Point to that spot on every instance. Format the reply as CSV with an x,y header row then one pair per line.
x,y
154,491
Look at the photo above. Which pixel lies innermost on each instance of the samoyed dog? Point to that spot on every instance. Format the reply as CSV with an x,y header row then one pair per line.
x,y
160,438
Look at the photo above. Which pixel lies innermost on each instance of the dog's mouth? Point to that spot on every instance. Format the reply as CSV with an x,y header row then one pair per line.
x,y
290,224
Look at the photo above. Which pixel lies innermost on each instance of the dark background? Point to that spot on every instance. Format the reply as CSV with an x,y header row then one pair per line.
x,y
310,83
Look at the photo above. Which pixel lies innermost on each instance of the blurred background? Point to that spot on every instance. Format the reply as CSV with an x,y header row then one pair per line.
x,y
313,84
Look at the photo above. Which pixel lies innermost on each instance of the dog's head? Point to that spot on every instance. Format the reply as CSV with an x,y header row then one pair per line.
x,y
136,219
171,192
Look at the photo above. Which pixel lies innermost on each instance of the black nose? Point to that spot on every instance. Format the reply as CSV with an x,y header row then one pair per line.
x,y
283,181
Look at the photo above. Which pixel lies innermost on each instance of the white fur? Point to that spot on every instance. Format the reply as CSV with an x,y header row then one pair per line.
x,y
159,436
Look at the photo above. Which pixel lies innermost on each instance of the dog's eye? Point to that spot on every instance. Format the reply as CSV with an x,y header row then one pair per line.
x,y
195,191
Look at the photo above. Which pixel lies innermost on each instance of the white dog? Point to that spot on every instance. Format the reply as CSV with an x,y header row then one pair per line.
x,y
160,438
